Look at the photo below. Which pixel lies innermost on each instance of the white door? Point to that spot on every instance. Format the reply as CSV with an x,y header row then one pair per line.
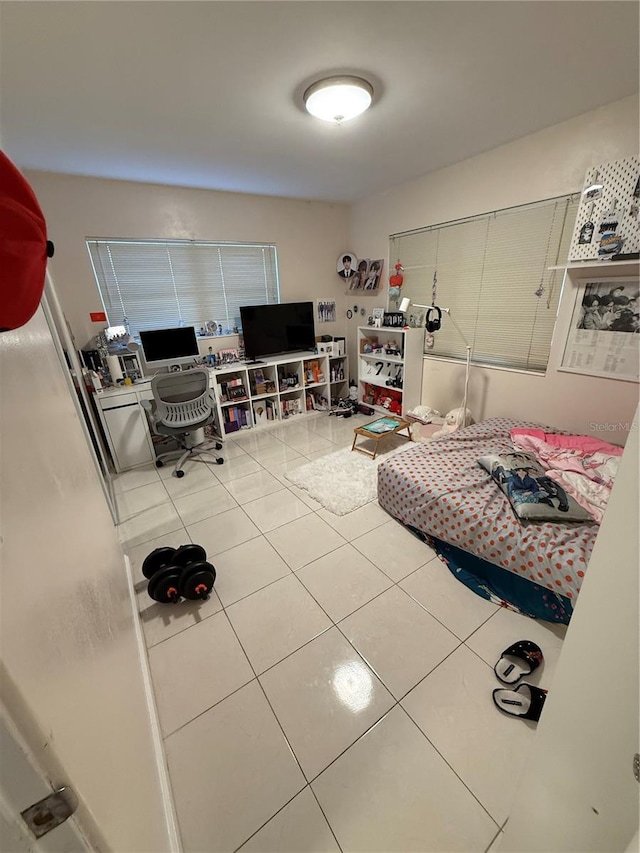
x,y
74,677
22,784
579,792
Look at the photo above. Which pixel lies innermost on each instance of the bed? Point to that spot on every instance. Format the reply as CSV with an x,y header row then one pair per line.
x,y
440,492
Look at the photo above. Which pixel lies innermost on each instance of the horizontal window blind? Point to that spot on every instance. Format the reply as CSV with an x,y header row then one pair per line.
x,y
492,273
157,284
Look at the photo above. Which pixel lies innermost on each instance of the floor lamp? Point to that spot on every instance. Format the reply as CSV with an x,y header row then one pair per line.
x,y
404,307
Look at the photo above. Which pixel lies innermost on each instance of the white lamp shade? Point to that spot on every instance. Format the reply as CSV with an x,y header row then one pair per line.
x,y
338,99
404,305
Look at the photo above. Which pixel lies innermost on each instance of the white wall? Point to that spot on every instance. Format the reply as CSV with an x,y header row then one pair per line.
x,y
578,792
542,165
71,672
309,235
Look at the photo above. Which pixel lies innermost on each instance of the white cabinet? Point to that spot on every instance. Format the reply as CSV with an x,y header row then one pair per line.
x,y
390,368
280,388
126,431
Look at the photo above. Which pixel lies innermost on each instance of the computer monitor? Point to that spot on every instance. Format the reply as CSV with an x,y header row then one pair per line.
x,y
164,347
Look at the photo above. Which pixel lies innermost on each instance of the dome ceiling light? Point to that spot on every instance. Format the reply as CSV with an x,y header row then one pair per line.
x,y
338,99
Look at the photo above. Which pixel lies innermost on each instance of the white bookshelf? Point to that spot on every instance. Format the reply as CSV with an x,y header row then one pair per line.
x,y
383,365
279,389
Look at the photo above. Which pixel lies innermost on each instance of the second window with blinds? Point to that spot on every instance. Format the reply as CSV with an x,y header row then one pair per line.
x,y
154,284
492,272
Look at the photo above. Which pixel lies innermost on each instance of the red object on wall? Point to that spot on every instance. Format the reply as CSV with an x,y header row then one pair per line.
x,y
23,248
98,316
396,279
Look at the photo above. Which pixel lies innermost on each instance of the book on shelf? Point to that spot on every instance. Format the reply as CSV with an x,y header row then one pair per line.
x,y
260,413
236,415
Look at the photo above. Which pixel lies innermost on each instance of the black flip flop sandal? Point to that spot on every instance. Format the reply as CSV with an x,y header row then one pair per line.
x,y
520,659
525,702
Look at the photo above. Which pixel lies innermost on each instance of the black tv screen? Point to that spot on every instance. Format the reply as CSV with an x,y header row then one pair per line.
x,y
276,329
168,344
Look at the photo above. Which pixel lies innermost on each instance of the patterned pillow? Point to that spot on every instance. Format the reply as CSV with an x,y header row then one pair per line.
x,y
533,495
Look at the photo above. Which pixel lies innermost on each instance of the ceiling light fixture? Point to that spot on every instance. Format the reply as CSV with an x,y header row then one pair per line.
x,y
338,99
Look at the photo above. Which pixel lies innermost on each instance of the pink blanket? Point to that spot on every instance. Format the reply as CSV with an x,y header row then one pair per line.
x,y
585,467
585,443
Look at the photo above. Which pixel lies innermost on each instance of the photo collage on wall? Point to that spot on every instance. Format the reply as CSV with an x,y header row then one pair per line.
x,y
360,275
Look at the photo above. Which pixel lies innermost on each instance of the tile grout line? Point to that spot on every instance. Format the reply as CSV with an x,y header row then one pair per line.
x,y
475,797
295,572
499,832
397,702
284,735
333,624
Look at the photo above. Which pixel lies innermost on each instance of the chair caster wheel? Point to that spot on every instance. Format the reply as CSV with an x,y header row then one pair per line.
x,y
219,460
218,445
159,463
179,474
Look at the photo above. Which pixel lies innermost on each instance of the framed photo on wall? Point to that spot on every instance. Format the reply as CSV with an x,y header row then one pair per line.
x,y
326,311
603,338
373,275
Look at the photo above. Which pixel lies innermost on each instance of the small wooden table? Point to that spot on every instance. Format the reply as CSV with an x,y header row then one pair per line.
x,y
379,429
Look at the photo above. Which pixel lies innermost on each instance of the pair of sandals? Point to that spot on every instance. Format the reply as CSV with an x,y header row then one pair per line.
x,y
526,700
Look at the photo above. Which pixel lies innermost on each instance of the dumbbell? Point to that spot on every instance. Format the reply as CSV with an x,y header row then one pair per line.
x,y
198,576
178,572
163,575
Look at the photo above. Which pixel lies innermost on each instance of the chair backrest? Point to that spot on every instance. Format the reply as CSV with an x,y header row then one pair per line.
x,y
182,399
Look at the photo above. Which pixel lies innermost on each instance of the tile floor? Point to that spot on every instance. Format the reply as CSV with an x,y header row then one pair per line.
x,y
335,691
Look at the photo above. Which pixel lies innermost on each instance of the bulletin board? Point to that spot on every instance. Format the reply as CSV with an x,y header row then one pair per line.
x,y
610,196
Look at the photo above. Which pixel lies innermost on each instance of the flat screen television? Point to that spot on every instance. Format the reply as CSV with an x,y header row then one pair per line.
x,y
277,329
169,345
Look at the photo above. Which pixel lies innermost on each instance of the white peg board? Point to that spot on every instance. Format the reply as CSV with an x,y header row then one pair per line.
x,y
618,179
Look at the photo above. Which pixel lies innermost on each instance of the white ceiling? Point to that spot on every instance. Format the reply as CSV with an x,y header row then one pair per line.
x,y
208,94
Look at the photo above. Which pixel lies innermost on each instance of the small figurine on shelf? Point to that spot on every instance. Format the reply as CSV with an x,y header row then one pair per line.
x,y
210,358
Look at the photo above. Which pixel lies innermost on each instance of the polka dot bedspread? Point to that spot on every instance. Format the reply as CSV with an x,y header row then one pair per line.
x,y
440,489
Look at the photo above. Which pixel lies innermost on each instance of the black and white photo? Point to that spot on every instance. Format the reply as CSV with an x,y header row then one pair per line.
x,y
347,267
610,307
603,337
326,311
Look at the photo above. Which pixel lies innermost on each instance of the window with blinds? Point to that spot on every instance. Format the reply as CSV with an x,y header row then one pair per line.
x,y
154,284
492,272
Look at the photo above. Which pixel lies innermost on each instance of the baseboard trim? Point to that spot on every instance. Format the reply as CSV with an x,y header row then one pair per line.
x,y
173,832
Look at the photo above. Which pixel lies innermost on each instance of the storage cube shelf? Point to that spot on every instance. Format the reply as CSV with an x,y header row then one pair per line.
x,y
390,368
281,388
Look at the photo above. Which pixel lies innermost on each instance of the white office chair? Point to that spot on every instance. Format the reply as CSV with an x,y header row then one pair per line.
x,y
182,406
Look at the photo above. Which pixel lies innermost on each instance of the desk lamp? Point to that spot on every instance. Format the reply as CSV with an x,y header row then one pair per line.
x,y
404,306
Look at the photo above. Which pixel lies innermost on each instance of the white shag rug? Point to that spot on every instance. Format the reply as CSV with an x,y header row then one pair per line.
x,y
345,480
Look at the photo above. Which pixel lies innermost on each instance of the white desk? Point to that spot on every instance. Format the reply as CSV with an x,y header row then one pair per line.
x,y
127,429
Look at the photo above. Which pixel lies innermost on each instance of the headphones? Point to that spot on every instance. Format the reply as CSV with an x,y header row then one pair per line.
x,y
433,324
